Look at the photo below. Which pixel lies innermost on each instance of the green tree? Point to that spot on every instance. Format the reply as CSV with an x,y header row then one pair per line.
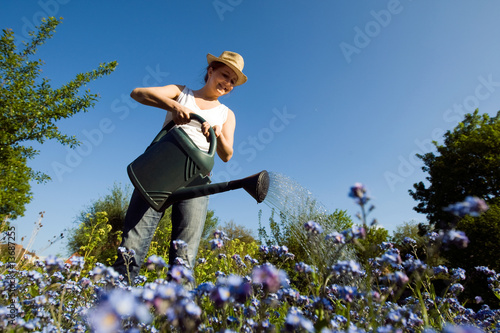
x,y
30,109
115,205
467,163
236,231
484,239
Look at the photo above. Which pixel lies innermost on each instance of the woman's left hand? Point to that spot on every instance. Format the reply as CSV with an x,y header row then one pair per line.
x,y
206,126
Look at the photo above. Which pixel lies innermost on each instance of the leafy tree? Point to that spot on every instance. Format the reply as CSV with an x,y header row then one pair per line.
x,y
115,206
484,237
468,163
235,231
30,109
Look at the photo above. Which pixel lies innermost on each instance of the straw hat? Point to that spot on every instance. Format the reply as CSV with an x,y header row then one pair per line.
x,y
234,61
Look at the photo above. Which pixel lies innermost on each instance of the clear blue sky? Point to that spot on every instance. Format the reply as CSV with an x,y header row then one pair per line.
x,y
338,92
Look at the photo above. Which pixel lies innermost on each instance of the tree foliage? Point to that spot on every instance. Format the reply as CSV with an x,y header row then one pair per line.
x,y
467,163
484,238
30,109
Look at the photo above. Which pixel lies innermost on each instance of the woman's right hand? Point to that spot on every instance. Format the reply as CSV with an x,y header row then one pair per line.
x,y
181,115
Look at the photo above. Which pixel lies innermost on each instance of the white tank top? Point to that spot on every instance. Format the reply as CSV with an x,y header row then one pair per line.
x,y
214,116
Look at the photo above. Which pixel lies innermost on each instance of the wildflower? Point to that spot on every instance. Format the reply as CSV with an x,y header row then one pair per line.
x,y
456,288
219,234
458,274
455,237
358,193
313,227
240,289
410,241
296,321
432,236
391,257
472,206
155,261
440,269
180,273
386,245
270,277
348,267
179,244
337,237
485,270
347,293
415,265
401,278
303,268
201,261
219,295
216,243
355,232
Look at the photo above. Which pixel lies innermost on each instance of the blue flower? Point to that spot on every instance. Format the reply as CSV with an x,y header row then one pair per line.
x,y
358,193
270,277
336,237
313,227
348,267
472,205
455,237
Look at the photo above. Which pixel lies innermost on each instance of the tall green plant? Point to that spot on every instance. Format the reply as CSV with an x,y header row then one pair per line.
x,y
30,109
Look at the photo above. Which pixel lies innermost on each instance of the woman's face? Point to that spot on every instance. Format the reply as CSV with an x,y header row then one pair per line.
x,y
222,79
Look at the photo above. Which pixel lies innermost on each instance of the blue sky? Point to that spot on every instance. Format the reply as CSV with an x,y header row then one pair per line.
x,y
338,92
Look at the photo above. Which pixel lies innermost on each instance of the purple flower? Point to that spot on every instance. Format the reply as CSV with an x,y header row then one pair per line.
x,y
456,288
180,273
155,261
216,243
313,227
472,206
440,269
337,237
401,278
455,237
179,244
347,293
408,240
358,193
391,257
303,268
458,274
270,277
295,321
219,295
348,267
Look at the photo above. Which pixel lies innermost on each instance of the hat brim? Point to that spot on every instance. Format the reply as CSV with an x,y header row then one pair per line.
x,y
242,78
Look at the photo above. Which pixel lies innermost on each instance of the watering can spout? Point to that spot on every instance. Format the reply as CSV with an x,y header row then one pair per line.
x,y
256,185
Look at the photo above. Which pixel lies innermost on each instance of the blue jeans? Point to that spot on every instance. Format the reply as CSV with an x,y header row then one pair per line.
x,y
141,221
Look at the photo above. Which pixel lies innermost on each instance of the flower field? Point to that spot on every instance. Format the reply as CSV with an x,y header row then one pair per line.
x,y
238,287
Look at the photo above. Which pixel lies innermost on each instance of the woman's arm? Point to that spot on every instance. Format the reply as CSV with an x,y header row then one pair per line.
x,y
225,136
164,98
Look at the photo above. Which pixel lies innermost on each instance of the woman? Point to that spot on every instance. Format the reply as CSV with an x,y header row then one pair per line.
x,y
188,216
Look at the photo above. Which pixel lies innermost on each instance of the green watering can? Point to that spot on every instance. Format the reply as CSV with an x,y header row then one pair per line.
x,y
173,168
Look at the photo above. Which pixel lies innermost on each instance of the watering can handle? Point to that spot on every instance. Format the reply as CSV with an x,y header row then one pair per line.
x,y
213,139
